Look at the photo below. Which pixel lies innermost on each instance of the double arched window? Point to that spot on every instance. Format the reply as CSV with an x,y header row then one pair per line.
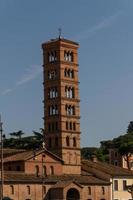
x,y
69,73
52,74
69,92
52,56
70,125
53,110
70,110
68,56
52,93
53,127
74,142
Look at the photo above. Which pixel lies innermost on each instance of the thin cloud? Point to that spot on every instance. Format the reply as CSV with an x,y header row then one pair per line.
x,y
7,91
31,73
103,24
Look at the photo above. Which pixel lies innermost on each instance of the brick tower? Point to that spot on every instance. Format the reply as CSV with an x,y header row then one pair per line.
x,y
61,102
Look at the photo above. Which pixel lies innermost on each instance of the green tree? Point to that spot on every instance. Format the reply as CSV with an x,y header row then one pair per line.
x,y
17,134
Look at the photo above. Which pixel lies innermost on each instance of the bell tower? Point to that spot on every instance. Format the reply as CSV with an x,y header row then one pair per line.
x,y
61,102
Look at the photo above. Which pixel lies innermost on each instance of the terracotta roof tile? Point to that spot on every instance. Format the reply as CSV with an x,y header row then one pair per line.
x,y
107,170
79,179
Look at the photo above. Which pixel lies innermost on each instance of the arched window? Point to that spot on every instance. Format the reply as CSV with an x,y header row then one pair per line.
x,y
89,190
51,170
52,56
68,56
66,125
12,189
67,141
70,125
44,171
72,74
52,74
74,126
28,189
37,170
53,110
56,126
52,126
49,127
65,72
56,141
44,189
74,142
70,110
103,190
50,142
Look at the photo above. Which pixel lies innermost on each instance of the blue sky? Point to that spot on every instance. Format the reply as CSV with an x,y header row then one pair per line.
x,y
105,32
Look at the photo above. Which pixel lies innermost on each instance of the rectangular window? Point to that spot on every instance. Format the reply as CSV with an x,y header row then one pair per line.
x,y
124,185
116,185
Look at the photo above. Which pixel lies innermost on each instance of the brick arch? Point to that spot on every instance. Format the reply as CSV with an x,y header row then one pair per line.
x,y
73,194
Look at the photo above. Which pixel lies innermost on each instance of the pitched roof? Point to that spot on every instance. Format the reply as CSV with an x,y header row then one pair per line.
x,y
63,180
63,184
26,155
8,152
80,179
104,169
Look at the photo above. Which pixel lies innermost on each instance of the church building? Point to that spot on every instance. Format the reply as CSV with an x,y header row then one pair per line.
x,y
56,171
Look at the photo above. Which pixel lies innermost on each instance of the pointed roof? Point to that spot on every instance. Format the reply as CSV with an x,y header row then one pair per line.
x,y
26,155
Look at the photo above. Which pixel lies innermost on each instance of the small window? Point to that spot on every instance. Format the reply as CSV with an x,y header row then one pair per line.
x,y
50,142
56,126
89,190
74,126
124,185
116,185
52,126
28,189
67,141
44,189
103,191
49,127
56,141
12,189
74,142
37,170
44,170
116,162
51,170
66,125
70,125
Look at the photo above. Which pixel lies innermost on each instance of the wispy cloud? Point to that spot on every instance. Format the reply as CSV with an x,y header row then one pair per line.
x,y
101,25
30,74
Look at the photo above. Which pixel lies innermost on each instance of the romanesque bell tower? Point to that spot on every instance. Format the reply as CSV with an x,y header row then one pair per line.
x,y
61,102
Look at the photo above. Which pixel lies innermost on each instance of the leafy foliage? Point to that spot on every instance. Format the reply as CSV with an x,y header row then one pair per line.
x,y
28,142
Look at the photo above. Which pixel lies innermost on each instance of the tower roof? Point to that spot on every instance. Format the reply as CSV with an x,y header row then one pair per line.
x,y
61,40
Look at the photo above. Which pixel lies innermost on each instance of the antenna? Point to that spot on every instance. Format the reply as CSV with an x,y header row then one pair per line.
x,y
1,152
60,32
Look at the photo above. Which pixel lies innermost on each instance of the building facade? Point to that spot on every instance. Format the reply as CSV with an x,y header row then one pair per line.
x,y
61,102
56,172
